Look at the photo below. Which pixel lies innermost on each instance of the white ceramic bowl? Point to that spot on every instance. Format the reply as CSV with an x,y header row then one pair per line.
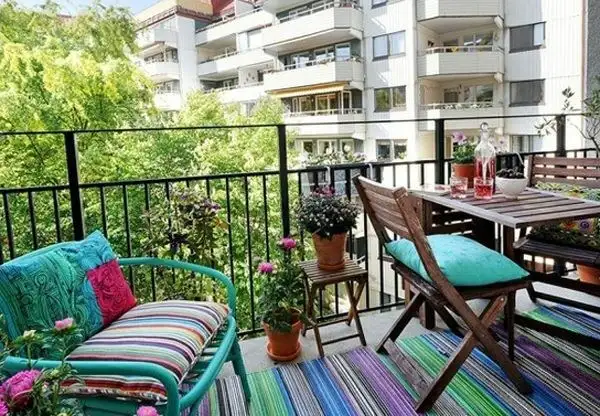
x,y
511,188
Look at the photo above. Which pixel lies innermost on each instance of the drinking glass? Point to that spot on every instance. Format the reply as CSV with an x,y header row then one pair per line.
x,y
458,187
484,188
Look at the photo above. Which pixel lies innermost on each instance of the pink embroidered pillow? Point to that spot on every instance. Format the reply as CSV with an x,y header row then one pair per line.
x,y
113,294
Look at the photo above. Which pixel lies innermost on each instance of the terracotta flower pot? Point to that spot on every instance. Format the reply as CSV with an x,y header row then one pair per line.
x,y
283,346
589,274
331,252
466,170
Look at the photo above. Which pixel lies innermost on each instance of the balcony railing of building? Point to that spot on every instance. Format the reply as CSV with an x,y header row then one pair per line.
x,y
328,5
319,61
326,112
35,216
461,49
459,106
225,54
229,18
236,86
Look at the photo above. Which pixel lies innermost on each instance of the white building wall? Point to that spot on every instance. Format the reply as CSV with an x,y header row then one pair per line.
x,y
186,52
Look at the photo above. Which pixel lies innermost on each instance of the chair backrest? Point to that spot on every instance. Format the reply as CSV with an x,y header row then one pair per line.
x,y
568,170
393,209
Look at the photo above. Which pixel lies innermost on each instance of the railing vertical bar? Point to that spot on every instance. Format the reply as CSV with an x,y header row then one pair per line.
x,y
229,232
9,228
169,221
32,221
301,231
283,179
56,207
363,172
336,286
561,135
408,184
395,237
127,232
379,179
348,184
266,217
152,269
103,211
422,178
74,188
249,247
440,153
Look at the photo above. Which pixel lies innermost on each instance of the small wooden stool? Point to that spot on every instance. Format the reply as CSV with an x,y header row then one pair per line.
x,y
315,279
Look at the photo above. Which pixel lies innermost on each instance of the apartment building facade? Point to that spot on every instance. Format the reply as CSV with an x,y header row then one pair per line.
x,y
349,60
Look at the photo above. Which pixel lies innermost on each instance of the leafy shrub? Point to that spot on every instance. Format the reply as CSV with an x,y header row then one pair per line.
x,y
324,213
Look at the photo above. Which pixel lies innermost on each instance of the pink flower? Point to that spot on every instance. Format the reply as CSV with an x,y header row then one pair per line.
x,y
64,324
266,268
146,411
459,137
18,387
3,408
287,244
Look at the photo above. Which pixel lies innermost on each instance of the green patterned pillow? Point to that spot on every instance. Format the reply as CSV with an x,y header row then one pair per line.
x,y
36,291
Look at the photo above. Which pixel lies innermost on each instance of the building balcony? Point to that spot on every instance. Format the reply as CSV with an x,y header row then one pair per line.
x,y
158,36
316,123
225,28
229,63
478,113
456,62
162,71
452,15
328,24
241,93
317,73
170,101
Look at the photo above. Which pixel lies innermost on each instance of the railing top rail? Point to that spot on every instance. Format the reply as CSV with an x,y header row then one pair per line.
x,y
315,62
328,112
271,125
236,86
460,106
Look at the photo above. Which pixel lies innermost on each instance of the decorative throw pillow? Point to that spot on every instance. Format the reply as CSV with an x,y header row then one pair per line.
x,y
95,256
36,291
582,233
463,261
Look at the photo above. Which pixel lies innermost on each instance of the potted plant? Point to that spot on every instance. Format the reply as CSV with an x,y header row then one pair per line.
x,y
281,302
328,217
463,164
582,233
511,182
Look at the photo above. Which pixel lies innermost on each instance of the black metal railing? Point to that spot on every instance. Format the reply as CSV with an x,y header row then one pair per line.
x,y
257,207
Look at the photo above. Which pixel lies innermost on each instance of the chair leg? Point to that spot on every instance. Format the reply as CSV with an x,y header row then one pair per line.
x,y
458,357
401,322
531,292
239,367
509,324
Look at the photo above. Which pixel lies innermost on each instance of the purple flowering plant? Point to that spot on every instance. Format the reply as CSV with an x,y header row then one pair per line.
x,y
188,227
281,299
40,391
324,213
464,148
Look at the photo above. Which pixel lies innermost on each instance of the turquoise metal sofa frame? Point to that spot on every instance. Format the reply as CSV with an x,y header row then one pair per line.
x,y
223,348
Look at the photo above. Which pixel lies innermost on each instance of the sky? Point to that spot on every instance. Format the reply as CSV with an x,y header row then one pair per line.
x,y
71,6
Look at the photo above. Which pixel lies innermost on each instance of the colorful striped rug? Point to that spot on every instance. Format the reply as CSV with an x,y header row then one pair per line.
x,y
565,379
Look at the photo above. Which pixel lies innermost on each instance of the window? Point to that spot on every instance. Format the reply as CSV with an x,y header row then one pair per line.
x,y
342,52
390,149
387,99
378,3
389,45
324,54
527,92
478,94
528,37
479,42
167,87
527,143
450,96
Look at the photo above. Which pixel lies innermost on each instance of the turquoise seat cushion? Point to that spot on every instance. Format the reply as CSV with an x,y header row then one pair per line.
x,y
36,291
462,260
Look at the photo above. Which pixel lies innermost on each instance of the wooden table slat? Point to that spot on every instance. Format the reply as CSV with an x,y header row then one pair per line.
x,y
563,208
499,198
512,208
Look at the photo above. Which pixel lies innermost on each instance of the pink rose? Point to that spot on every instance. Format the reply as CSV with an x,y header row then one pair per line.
x,y
18,387
266,268
3,408
64,324
146,411
287,244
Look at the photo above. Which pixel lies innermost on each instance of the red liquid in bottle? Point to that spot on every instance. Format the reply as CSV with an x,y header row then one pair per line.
x,y
491,169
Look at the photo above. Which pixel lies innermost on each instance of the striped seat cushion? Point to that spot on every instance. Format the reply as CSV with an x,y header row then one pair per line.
x,y
171,334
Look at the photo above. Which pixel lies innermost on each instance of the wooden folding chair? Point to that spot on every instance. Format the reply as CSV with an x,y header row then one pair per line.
x,y
394,210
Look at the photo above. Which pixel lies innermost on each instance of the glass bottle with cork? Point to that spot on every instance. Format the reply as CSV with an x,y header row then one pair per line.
x,y
485,165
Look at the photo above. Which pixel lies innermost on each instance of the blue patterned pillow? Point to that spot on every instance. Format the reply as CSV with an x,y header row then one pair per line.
x,y
463,261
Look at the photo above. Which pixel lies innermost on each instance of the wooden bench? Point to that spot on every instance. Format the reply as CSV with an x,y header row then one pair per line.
x,y
583,172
